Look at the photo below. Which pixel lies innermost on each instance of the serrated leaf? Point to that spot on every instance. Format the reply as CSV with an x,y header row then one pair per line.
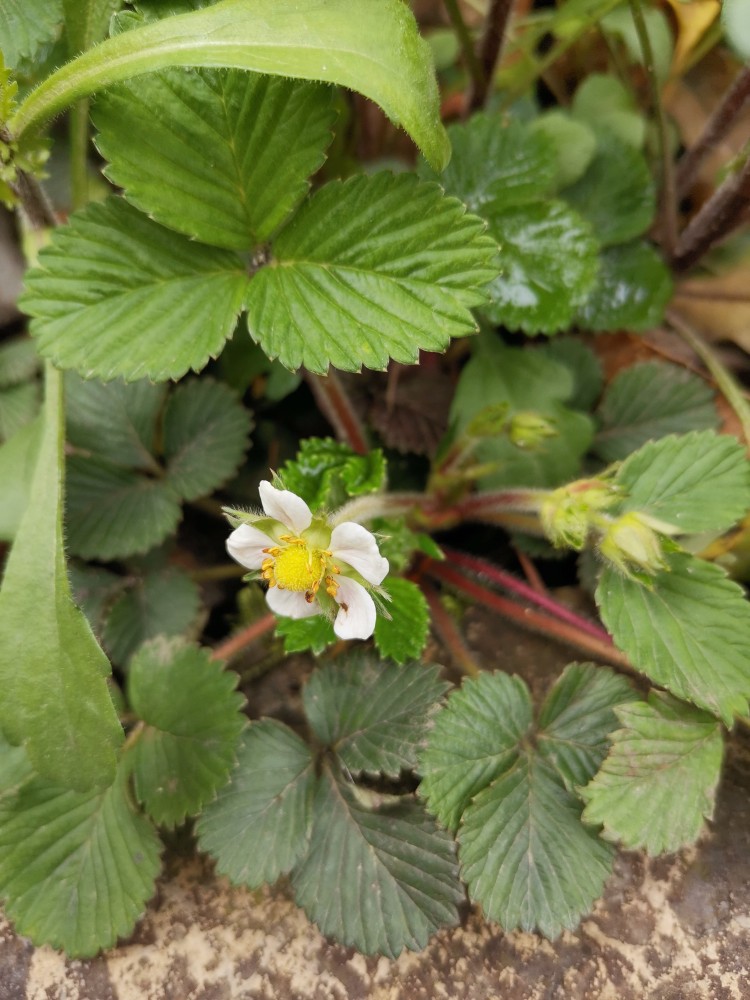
x,y
301,635
258,827
650,401
19,404
193,719
18,458
25,25
370,268
525,855
395,877
632,290
19,361
658,783
697,482
205,434
403,636
117,294
374,715
326,473
76,868
548,264
474,740
690,633
236,149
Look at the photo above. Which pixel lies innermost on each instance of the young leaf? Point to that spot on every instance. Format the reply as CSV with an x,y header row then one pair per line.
x,y
690,633
658,783
302,634
258,827
403,636
370,268
52,672
395,877
632,290
605,103
117,294
223,156
25,25
374,715
193,719
647,402
697,482
326,473
76,868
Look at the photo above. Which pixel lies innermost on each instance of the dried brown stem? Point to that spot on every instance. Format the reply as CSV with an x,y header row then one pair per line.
x,y
490,47
336,407
231,647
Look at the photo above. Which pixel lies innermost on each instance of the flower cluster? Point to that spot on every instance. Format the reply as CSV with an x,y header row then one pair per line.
x,y
310,565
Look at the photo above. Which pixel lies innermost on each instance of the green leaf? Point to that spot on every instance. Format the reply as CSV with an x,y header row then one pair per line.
x,y
548,261
632,290
697,482
193,719
616,194
258,827
370,268
605,103
205,434
117,294
658,782
573,141
302,634
525,855
19,361
94,591
395,877
52,672
371,48
650,401
736,28
374,715
690,633
583,364
76,868
620,22
87,22
474,740
25,25
18,458
164,602
326,473
403,636
236,149
19,404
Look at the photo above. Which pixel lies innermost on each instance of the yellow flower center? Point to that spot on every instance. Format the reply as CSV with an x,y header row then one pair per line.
x,y
299,568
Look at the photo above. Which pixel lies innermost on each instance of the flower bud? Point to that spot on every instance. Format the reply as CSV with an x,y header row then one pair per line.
x,y
567,513
529,430
633,545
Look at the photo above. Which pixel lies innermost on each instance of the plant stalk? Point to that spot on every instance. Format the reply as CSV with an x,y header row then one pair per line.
x,y
246,637
335,405
448,633
496,26
473,64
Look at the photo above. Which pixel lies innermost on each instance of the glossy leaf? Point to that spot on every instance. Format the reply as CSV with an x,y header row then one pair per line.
x,y
327,473
632,290
403,635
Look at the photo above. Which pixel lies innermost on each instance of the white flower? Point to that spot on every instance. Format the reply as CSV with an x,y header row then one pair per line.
x,y
309,566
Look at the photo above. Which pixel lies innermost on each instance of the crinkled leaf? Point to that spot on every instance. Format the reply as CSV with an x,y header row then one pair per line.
x,y
573,141
690,632
117,294
19,404
223,156
258,827
301,635
403,635
326,473
25,25
697,482
193,719
632,290
380,879
18,458
370,268
19,361
658,783
76,868
650,401
411,416
374,715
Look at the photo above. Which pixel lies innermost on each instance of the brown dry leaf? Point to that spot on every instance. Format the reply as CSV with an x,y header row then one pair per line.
x,y
412,416
693,21
718,306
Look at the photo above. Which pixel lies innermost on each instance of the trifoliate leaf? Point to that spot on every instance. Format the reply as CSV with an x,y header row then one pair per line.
x,y
649,401
395,877
164,602
573,141
18,458
223,156
632,290
403,636
658,783
326,473
301,635
604,102
258,827
19,404
193,719
19,361
117,294
690,632
697,482
474,740
525,854
583,365
205,436
548,264
76,868
370,268
374,715
25,25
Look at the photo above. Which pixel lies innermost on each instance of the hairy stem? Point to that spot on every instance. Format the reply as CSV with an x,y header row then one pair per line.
x,y
496,25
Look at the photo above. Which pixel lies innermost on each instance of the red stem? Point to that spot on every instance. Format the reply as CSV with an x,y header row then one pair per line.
x,y
336,407
231,647
447,632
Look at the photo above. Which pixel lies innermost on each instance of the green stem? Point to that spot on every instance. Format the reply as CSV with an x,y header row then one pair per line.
x,y
467,45
79,144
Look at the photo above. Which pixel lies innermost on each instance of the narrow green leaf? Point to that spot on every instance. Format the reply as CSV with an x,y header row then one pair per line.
x,y
18,458
632,290
327,473
690,633
87,22
25,25
403,636
380,880
222,156
52,672
258,827
658,783
374,715
301,635
117,294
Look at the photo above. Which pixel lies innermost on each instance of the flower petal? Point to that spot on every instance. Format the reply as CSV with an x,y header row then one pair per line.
x,y
246,545
290,603
355,545
285,506
357,619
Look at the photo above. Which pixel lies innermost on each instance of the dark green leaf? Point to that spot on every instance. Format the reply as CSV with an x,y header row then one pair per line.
x,y
403,636
19,361
25,25
326,473
19,404
94,591
583,364
632,290
302,634
17,463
